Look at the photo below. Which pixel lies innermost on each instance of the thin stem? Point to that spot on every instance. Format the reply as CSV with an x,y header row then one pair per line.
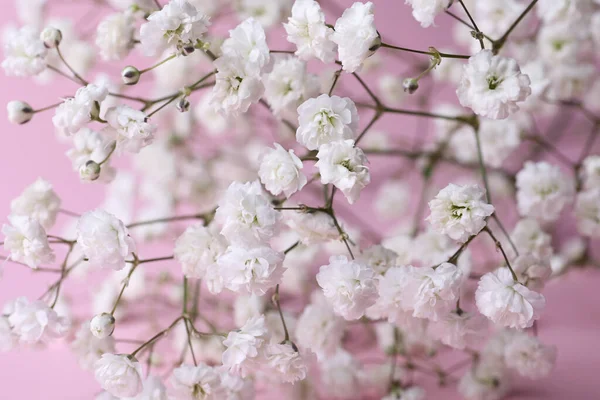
x,y
429,53
498,44
150,260
172,99
499,246
367,89
158,64
69,213
424,114
369,125
75,74
125,284
336,77
278,304
473,22
505,233
50,107
488,194
156,337
553,150
189,340
343,234
292,247
167,219
58,71
63,271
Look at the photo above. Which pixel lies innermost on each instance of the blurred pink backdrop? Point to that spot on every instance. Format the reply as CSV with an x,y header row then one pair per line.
x,y
572,320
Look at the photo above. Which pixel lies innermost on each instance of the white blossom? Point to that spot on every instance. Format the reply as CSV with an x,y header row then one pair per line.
x,y
114,36
154,389
284,361
529,238
88,348
24,52
102,325
529,357
89,145
459,211
104,239
590,171
459,329
247,42
339,374
34,321
119,374
198,250
532,271
244,345
8,339
507,302
492,85
27,242
19,112
268,13
392,199
425,11
319,328
280,171
195,382
356,36
379,258
75,112
344,165
131,128
38,201
312,228
306,29
485,381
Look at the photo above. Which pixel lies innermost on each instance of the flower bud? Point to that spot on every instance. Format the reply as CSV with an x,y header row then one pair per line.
x,y
102,325
131,75
51,37
183,104
410,85
19,112
187,50
90,171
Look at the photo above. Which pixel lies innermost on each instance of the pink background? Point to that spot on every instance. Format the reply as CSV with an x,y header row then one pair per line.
x,y
572,320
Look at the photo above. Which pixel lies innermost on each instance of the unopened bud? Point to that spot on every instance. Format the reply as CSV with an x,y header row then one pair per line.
x,y
410,85
102,325
187,50
90,171
51,37
19,112
130,75
183,104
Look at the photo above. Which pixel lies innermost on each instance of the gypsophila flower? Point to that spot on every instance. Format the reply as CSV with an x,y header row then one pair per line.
x,y
244,345
114,36
177,25
119,374
459,211
312,228
590,172
379,258
529,237
356,36
75,112
19,112
529,357
318,328
88,348
246,214
492,85
237,388
102,325
195,382
486,380
532,271
266,12
542,191
285,362
38,201
89,145
306,29
27,242
587,211
506,302
339,373
344,165
411,393
24,52
349,286
280,171
104,239
248,43
34,321
459,329
425,11
154,389
198,250
552,10
131,128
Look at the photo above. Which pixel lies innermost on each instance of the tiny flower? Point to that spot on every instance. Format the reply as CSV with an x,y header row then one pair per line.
x,y
319,328
532,271
459,329
344,165
133,132
349,286
24,53
492,85
285,362
27,242
196,382
590,172
114,36
38,201
130,75
102,325
506,302
89,145
356,35
119,374
280,171
529,238
19,112
459,211
529,357
75,112
104,239
51,37
485,380
247,42
425,11
410,85
306,29
243,345
90,171
312,228
326,119
35,322
198,250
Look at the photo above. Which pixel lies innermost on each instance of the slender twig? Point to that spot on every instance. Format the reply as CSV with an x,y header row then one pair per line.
x,y
429,53
479,34
498,44
75,74
501,248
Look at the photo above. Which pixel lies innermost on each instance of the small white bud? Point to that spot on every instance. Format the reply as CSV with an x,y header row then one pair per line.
x,y
130,75
410,85
102,325
19,112
183,104
51,37
90,171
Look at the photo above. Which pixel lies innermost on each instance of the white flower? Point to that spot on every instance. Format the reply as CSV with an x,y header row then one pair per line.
x,y
177,25
38,201
587,211
154,389
344,165
319,328
104,239
35,322
506,302
119,374
244,345
529,238
552,10
237,388
356,35
339,374
8,339
254,270
195,382
532,271
280,171
425,11
236,87
312,228
89,145
246,214
267,12
27,242
75,112
499,138
459,329
492,85
497,15
542,191
568,80
114,36
530,357
307,30
562,41
19,112
102,325
88,348
349,286
198,249
326,119
379,258
247,42
24,52
284,361
459,211
485,381
133,132
289,84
